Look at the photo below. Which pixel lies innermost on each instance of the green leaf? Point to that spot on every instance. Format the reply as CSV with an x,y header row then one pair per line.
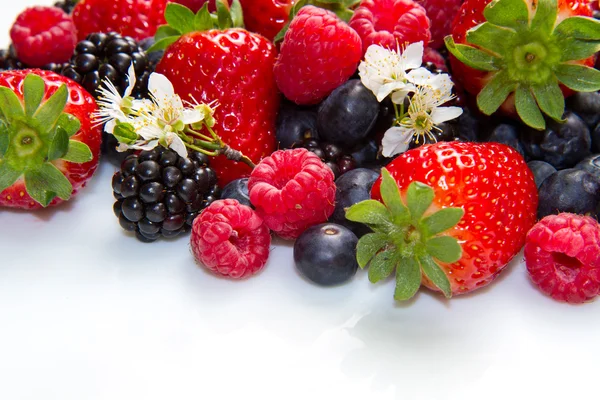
x,y
369,212
8,175
368,246
436,275
281,34
578,77
418,198
69,123
444,248
237,14
78,153
59,144
441,221
10,104
408,279
382,265
471,56
163,44
550,99
165,31
495,93
33,93
391,197
223,14
582,28
491,37
180,18
4,138
50,111
509,13
47,182
545,17
528,109
203,20
125,133
575,49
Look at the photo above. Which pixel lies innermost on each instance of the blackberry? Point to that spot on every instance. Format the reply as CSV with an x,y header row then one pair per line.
x,y
159,193
66,5
335,158
9,61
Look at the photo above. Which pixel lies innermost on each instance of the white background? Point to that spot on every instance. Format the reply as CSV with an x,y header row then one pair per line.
x,y
88,312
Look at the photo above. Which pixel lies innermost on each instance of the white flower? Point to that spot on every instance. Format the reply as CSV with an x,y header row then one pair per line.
x,y
151,135
113,106
385,71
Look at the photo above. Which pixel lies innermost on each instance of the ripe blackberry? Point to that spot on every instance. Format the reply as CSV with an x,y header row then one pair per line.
x,y
159,193
333,156
9,62
66,5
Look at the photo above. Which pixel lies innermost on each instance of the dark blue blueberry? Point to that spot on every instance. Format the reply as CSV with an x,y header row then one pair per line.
x,y
570,190
587,106
294,125
541,170
237,190
506,134
469,125
596,139
591,164
326,254
562,145
366,153
351,188
347,116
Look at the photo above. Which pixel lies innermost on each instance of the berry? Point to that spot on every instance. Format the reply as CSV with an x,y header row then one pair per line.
x,y
366,154
591,164
9,62
337,160
43,35
160,193
587,107
52,154
237,190
562,145
319,52
294,125
596,139
440,14
390,23
324,254
230,239
434,61
196,5
347,116
541,170
352,188
506,134
138,19
266,17
562,255
66,5
292,190
570,190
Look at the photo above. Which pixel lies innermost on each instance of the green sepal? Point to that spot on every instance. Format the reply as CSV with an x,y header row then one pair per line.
x,y
368,246
78,153
49,112
163,43
418,199
550,99
45,183
575,49
225,20
408,278
578,77
165,31
382,265
471,56
495,93
528,109
69,123
509,13
180,18
59,144
10,105
33,93
4,138
491,37
581,28
8,175
125,133
444,248
436,275
203,20
441,221
544,19
370,212
391,198
237,13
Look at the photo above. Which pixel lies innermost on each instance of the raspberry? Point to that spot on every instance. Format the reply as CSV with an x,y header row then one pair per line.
x,y
292,190
43,35
319,52
230,239
441,13
562,254
390,23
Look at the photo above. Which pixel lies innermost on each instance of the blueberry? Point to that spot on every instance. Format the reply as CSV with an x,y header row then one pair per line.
x,y
596,139
351,188
347,116
468,126
294,124
237,190
570,190
591,164
541,170
506,134
326,254
562,145
587,106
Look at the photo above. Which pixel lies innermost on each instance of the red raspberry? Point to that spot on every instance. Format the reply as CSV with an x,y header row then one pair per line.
x,y
136,18
292,190
319,52
230,239
441,13
390,23
43,35
562,254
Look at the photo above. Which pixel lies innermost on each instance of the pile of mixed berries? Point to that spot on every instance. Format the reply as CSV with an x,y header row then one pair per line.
x,y
433,140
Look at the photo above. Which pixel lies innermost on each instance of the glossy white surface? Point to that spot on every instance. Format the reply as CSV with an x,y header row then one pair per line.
x,y
87,312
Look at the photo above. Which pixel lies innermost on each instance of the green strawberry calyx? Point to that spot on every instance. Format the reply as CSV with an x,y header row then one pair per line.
x,y
406,238
182,20
530,52
34,136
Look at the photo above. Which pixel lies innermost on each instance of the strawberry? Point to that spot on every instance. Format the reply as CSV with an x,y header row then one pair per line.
x,y
232,67
49,147
454,213
266,17
521,54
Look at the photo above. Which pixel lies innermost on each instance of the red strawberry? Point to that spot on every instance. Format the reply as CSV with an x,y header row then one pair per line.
x,y
49,147
266,17
196,5
487,187
441,13
138,19
523,67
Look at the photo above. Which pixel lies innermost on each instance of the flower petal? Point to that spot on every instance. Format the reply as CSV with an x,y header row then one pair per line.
x,y
442,114
399,96
396,140
161,88
177,144
412,57
191,116
420,76
132,80
149,132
